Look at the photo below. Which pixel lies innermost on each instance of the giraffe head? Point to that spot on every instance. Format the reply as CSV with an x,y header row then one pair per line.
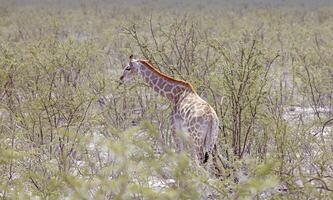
x,y
130,70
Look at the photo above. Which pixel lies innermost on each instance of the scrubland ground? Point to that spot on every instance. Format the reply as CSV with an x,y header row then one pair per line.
x,y
67,131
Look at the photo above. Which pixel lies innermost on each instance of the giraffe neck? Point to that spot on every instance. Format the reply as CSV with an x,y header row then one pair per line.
x,y
165,85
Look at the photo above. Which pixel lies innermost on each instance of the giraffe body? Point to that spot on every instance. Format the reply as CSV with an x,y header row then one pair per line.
x,y
194,122
197,121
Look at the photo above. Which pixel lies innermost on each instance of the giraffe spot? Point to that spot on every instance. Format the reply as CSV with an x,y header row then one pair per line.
x,y
156,89
154,81
207,109
169,96
191,129
147,73
161,83
200,120
196,141
167,87
176,90
200,155
197,135
192,120
200,113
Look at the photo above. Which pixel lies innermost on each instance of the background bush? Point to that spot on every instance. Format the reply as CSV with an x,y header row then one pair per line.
x,y
68,131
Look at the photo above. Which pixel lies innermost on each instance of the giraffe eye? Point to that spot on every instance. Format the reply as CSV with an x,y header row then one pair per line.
x,y
128,68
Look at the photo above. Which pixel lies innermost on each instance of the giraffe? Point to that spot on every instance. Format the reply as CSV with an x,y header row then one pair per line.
x,y
192,118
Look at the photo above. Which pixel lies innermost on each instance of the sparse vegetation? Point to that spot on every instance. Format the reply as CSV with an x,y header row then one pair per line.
x,y
67,130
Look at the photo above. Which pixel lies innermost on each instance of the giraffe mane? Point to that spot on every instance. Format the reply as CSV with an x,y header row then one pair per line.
x,y
150,66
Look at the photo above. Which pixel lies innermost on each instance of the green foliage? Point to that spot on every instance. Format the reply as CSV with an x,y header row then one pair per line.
x,y
261,181
68,130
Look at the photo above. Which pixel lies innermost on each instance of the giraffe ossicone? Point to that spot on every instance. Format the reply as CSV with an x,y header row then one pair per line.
x,y
191,117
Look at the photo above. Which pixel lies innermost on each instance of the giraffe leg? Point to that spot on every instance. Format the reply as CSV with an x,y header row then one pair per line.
x,y
177,142
216,167
201,155
220,167
210,161
175,129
